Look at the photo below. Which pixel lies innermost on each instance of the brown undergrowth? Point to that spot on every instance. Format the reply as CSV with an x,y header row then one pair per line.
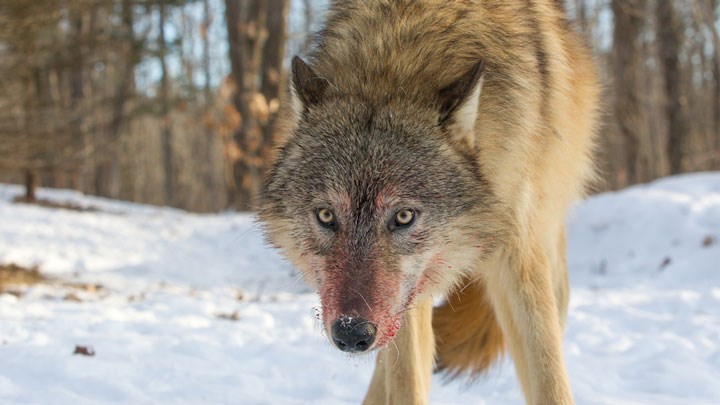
x,y
14,279
13,275
54,204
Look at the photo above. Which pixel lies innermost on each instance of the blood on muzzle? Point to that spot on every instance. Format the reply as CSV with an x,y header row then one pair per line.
x,y
353,334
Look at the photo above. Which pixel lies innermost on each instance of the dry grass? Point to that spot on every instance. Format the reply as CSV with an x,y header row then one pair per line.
x,y
14,275
54,204
14,279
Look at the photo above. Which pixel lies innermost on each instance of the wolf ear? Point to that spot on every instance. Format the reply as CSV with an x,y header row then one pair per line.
x,y
307,87
458,102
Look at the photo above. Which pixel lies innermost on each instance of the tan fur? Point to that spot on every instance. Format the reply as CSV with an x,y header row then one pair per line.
x,y
467,335
538,148
533,140
402,374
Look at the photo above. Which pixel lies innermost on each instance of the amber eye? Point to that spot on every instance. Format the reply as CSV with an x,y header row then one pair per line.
x,y
326,217
404,217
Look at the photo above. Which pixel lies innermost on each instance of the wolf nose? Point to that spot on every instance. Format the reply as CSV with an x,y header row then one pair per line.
x,y
353,334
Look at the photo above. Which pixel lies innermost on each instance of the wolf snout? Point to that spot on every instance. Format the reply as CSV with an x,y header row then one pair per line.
x,y
353,334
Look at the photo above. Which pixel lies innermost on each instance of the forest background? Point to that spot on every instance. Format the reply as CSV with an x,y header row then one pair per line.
x,y
172,102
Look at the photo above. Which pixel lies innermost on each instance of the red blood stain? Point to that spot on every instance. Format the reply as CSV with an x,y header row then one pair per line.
x,y
386,199
371,292
367,287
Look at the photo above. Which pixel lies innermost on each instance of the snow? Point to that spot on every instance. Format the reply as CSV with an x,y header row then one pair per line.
x,y
197,309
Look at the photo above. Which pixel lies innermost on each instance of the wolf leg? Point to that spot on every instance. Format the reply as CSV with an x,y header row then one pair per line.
x,y
523,296
404,368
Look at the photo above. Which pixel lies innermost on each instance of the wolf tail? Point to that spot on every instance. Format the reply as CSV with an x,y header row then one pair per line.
x,y
468,337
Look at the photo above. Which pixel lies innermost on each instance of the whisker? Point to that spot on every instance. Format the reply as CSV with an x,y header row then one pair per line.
x,y
363,298
397,353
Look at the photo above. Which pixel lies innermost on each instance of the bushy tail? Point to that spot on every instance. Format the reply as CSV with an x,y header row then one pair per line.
x,y
468,338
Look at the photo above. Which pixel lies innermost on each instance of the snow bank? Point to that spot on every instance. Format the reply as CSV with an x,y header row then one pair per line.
x,y
196,309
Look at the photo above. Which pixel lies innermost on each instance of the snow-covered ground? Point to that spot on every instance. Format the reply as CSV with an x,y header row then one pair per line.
x,y
643,328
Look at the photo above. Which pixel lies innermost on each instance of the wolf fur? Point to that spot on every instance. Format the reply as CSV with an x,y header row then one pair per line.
x,y
478,117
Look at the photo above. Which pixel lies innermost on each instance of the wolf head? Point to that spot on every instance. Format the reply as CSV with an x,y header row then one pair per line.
x,y
377,203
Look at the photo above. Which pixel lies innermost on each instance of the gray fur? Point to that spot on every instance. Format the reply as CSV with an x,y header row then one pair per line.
x,y
344,145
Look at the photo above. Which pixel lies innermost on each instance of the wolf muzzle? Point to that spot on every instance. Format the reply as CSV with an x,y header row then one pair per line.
x,y
353,334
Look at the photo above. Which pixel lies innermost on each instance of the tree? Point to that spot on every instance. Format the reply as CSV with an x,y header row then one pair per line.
x,y
256,29
627,62
130,49
670,38
714,9
272,63
166,131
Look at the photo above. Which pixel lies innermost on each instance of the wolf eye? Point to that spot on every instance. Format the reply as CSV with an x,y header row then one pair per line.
x,y
404,217
326,218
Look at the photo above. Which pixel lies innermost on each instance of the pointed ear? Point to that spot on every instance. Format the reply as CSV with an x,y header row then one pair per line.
x,y
458,102
307,87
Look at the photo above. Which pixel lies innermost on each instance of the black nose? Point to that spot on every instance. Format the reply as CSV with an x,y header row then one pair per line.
x,y
353,334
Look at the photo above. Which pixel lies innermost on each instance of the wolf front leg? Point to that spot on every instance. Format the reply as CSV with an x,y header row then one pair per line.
x,y
404,368
522,293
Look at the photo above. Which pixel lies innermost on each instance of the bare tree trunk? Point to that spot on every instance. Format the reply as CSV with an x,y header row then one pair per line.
x,y
166,131
627,61
30,186
210,136
308,15
272,68
582,17
76,94
205,37
713,24
246,24
45,104
107,172
670,36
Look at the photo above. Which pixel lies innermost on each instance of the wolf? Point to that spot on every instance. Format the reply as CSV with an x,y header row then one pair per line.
x,y
428,154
